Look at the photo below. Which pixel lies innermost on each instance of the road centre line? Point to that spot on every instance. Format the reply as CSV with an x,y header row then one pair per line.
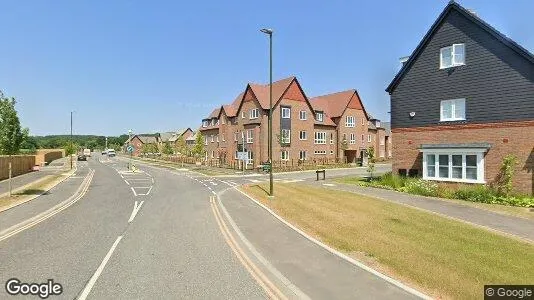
x,y
98,271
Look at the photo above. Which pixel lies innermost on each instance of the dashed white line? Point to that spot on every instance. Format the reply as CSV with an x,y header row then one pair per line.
x,y
98,271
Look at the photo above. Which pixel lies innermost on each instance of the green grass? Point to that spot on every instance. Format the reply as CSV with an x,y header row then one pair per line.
x,y
442,257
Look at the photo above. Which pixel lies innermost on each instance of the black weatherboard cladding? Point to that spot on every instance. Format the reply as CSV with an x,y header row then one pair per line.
x,y
497,82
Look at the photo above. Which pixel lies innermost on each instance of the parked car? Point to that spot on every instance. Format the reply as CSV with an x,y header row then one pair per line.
x,y
82,157
111,152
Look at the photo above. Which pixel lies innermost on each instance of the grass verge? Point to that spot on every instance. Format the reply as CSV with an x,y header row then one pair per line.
x,y
442,257
34,189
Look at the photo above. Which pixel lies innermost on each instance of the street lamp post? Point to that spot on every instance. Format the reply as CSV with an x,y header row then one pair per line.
x,y
71,145
270,137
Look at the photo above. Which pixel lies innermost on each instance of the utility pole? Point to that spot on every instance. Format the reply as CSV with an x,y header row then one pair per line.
x,y
243,150
71,144
106,144
9,182
270,138
131,152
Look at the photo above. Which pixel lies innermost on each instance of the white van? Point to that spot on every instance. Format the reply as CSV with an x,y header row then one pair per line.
x,y
87,152
111,152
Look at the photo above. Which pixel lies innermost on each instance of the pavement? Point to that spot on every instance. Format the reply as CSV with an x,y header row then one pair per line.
x,y
55,167
521,228
109,233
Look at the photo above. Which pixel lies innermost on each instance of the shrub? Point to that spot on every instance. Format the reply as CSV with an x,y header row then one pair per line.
x,y
475,193
420,187
504,182
390,180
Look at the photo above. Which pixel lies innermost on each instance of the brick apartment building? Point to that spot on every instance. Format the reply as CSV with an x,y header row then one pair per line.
x,y
332,127
463,101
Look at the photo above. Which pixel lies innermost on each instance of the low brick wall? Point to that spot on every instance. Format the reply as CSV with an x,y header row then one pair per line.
x,y
20,164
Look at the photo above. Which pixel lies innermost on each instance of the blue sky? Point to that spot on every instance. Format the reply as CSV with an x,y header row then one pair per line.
x,y
161,65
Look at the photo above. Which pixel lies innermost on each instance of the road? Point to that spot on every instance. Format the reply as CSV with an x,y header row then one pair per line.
x,y
108,233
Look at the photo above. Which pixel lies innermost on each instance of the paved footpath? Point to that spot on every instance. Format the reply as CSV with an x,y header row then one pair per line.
x,y
516,226
55,167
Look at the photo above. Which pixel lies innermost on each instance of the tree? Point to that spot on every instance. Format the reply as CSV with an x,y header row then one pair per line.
x,y
282,138
198,148
70,148
180,146
371,161
11,135
167,149
149,148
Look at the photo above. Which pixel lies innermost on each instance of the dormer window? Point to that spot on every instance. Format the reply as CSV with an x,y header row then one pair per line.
x,y
319,116
216,121
212,122
205,123
452,56
377,123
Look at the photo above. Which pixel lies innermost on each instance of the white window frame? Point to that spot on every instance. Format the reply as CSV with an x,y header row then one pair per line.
x,y
331,152
453,103
205,123
212,122
455,54
216,121
206,140
303,135
286,112
285,136
254,113
302,115
223,139
319,116
377,124
331,138
369,139
350,121
242,115
352,138
236,135
212,138
284,157
217,138
319,152
250,136
302,155
320,137
480,164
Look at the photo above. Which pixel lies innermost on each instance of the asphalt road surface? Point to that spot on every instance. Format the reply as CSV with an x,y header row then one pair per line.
x,y
109,233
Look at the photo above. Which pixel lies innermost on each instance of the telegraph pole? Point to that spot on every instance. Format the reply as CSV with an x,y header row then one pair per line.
x,y
71,144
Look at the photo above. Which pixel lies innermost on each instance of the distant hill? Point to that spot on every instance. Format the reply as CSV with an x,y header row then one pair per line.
x,y
83,141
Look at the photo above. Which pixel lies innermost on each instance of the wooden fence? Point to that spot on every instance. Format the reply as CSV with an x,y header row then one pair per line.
x,y
20,164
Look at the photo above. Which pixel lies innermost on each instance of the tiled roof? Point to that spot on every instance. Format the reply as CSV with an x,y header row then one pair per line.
x,y
231,109
165,136
215,113
333,104
262,91
192,137
177,134
147,139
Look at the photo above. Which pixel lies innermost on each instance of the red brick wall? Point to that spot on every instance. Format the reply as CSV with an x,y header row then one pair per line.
x,y
515,138
358,129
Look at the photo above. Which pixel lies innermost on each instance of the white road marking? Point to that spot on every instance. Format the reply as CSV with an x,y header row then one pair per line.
x,y
134,191
329,184
213,183
213,193
126,182
98,271
148,192
135,211
152,179
253,180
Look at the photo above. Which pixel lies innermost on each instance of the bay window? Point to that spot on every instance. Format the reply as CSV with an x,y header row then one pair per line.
x,y
454,164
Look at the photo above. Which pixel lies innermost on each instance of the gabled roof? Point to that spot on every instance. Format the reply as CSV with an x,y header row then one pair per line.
x,y
442,17
231,109
147,139
192,137
262,91
335,104
178,133
165,136
215,113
